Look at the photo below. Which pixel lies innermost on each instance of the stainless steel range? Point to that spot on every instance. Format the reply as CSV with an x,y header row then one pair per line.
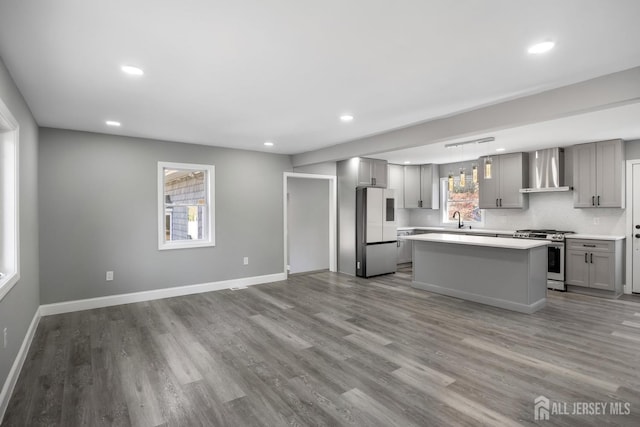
x,y
556,254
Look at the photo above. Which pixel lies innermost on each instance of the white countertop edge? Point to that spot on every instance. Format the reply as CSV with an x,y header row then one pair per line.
x,y
489,231
494,242
445,229
594,237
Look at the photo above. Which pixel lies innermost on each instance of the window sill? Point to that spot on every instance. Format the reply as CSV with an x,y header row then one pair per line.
x,y
185,245
7,282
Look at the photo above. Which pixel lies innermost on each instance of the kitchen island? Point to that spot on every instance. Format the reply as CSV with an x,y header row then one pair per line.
x,y
502,272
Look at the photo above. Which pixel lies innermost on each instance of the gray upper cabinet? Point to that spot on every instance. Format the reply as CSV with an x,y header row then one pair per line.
x,y
412,186
597,175
396,183
372,173
509,173
421,186
489,196
429,187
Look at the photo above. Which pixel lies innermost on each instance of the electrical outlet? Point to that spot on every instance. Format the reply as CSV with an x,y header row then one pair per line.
x,y
109,276
245,260
4,338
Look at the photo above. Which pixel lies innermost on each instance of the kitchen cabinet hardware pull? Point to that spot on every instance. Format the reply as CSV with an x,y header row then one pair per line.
x,y
598,200
637,236
500,202
637,226
593,200
591,258
589,246
585,257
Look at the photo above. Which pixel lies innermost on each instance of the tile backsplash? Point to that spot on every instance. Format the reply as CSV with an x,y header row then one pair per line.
x,y
546,210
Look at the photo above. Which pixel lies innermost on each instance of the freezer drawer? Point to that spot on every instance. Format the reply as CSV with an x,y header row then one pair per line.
x,y
380,258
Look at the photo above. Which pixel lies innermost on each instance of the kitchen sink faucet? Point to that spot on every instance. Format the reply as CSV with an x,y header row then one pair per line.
x,y
460,223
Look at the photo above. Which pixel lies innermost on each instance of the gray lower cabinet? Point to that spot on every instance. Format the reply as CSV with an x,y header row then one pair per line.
x,y
509,173
597,175
595,264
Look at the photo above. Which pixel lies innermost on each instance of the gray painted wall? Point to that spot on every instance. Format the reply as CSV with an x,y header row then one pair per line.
x,y
18,307
98,201
308,224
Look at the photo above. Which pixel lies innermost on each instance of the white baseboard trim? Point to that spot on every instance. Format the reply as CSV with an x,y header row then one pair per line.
x,y
111,300
14,373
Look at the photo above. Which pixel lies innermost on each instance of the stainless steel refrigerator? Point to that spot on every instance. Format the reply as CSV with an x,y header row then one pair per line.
x,y
376,232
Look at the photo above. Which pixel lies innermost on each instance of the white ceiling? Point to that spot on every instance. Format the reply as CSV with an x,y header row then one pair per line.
x,y
238,73
619,122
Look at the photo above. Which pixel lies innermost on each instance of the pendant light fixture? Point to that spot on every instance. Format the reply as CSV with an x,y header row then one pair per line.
x,y
487,167
474,173
463,181
450,182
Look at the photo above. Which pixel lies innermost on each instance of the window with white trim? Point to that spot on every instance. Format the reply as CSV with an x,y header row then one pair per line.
x,y
185,205
9,227
464,199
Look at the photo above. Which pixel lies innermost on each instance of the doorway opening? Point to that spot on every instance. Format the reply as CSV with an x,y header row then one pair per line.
x,y
310,220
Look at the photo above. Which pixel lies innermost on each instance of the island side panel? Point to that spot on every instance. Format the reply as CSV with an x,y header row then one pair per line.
x,y
496,276
538,257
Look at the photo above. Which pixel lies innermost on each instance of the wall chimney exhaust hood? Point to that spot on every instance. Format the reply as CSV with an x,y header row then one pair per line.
x,y
546,171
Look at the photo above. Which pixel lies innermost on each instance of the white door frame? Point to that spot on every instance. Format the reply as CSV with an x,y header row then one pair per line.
x,y
333,197
628,288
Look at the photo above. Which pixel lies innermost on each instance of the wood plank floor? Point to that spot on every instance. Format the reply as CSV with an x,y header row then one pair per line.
x,y
328,349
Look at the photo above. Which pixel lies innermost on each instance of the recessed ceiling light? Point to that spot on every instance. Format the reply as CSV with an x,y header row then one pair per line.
x,y
346,118
113,123
406,162
539,48
130,69
268,144
500,149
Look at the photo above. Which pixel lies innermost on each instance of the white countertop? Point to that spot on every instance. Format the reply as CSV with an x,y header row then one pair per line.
x,y
495,242
458,230
508,232
593,237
